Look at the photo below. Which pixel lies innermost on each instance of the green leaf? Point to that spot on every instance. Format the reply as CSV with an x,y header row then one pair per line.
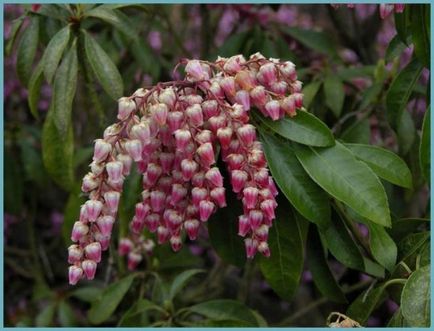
x,y
358,132
339,173
384,163
370,95
321,273
349,73
411,244
402,227
406,133
139,307
183,259
395,48
53,52
225,310
309,92
334,94
223,229
383,248
15,28
130,196
146,58
57,152
420,32
424,147
114,17
397,320
181,281
361,308
65,85
402,25
56,11
318,41
27,50
45,317
66,314
282,270
299,189
233,44
103,308
415,298
400,91
303,128
103,67
87,293
34,87
72,212
13,184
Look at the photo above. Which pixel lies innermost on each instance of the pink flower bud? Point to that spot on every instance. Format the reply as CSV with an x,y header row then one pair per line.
x,y
267,74
206,208
238,180
134,149
243,98
251,247
105,224
205,136
233,64
194,114
210,108
192,228
206,154
75,253
137,225
166,161
217,122
268,206
216,90
298,97
176,243
195,71
250,197
141,210
235,161
179,192
114,170
246,134
93,251
243,225
198,179
163,234
279,88
174,120
79,230
214,176
133,260
399,7
228,86
89,183
168,97
272,109
246,80
297,86
93,209
157,200
238,113
148,246
152,221
386,10
83,214
141,132
255,218
126,163
198,194
89,268
288,105
287,69
75,273
218,195
182,138
159,113
224,135
261,177
153,172
264,249
125,107
112,200
188,168
262,232
125,246
272,187
102,150
97,168
258,95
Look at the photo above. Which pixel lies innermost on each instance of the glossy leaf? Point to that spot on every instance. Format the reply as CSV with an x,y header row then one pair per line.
x,y
406,133
339,173
358,132
402,25
400,91
309,92
303,128
411,244
15,28
27,50
106,304
416,298
87,293
383,247
34,88
53,52
139,307
114,17
397,320
334,94
419,23
371,95
361,308
225,310
181,281
103,67
424,147
318,41
307,197
282,270
321,273
395,48
65,84
384,163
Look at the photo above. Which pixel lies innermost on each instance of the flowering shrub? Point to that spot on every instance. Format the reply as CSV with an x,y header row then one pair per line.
x,y
223,191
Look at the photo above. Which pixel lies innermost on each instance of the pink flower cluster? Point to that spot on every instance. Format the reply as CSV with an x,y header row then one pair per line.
x,y
134,248
385,8
174,132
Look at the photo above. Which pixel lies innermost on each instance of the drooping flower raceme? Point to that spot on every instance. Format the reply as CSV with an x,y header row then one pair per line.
x,y
173,132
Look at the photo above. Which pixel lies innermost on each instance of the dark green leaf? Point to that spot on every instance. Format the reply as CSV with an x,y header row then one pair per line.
x,y
45,317
15,28
334,94
282,270
106,304
303,128
87,294
424,147
406,133
395,48
34,87
56,11
13,184
27,50
420,32
138,308
361,308
225,310
309,92
233,44
402,25
383,248
400,91
358,132
321,273
318,41
53,52
397,320
349,73
370,95
71,212
181,281
114,17
403,227
339,173
66,314
384,163
181,260
32,163
145,58
416,297
411,244
299,189
103,67
65,85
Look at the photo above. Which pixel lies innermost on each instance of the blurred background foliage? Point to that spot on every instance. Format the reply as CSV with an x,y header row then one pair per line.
x,y
366,78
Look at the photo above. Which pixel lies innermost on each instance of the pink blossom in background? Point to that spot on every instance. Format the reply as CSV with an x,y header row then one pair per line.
x,y
154,39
